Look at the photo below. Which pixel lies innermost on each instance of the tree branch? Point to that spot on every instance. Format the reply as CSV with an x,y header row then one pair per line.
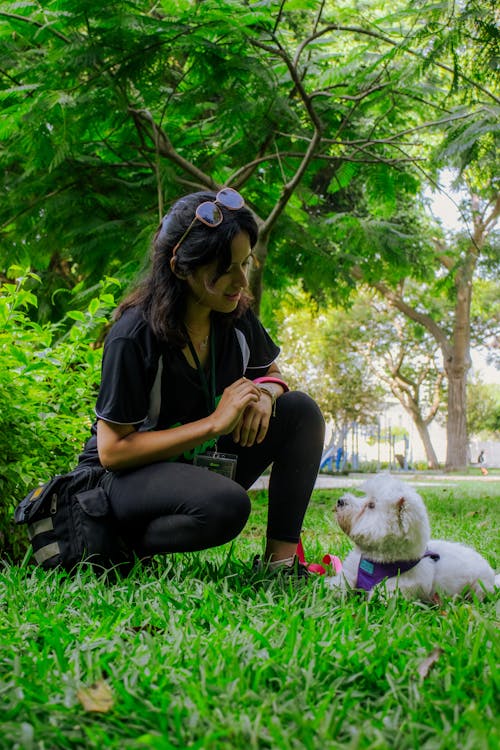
x,y
492,217
243,174
392,43
143,120
295,78
351,97
398,302
38,24
289,188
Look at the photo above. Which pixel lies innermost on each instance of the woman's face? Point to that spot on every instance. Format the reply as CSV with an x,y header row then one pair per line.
x,y
224,294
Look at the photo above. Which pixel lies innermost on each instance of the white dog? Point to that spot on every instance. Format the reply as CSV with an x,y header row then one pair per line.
x,y
390,528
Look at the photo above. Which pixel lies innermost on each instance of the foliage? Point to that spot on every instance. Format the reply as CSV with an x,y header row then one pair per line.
x,y
48,379
110,111
353,359
320,358
483,409
192,652
405,357
442,307
485,315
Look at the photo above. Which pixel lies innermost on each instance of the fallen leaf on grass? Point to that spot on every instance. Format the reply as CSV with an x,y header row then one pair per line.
x,y
97,698
426,665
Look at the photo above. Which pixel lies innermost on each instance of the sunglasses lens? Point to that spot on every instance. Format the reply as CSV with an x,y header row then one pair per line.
x,y
209,213
230,198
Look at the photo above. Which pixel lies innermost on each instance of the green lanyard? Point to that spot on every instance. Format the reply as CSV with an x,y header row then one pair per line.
x,y
208,386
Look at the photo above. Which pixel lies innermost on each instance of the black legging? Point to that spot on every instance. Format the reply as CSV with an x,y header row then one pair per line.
x,y
177,507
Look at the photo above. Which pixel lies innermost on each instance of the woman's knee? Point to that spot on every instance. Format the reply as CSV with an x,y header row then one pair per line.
x,y
213,513
230,514
305,410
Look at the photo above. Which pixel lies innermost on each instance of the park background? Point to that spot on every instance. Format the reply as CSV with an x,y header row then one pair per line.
x,y
341,122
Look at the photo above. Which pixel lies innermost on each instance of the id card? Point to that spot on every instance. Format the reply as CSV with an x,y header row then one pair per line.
x,y
221,463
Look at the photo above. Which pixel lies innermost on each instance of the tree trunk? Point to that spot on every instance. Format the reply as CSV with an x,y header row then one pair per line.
x,y
457,360
407,393
257,272
456,425
423,431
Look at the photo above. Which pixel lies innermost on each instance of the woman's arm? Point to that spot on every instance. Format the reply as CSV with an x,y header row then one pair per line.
x,y
122,447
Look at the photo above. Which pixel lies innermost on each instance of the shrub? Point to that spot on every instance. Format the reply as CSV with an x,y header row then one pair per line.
x,y
49,375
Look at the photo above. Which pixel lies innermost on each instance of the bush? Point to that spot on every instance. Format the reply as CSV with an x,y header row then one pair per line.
x,y
49,376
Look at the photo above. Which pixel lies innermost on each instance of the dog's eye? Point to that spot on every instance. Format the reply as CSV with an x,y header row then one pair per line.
x,y
371,504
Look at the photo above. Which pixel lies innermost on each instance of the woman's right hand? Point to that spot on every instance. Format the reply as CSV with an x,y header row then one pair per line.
x,y
234,400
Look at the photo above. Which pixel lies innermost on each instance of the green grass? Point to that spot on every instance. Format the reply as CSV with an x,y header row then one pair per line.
x,y
198,655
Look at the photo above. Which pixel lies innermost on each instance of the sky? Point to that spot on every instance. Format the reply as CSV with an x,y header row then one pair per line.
x,y
444,204
487,373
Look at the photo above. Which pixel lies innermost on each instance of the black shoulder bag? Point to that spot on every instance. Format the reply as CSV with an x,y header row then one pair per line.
x,y
69,521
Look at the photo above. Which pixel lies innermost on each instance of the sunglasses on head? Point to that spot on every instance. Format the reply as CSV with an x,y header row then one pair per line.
x,y
210,214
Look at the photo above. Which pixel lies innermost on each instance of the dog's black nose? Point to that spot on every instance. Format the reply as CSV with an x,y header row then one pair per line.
x,y
340,502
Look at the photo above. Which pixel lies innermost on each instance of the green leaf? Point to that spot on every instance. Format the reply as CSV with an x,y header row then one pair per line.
x,y
76,315
94,306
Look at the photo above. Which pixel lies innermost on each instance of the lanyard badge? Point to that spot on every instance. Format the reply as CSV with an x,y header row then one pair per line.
x,y
221,463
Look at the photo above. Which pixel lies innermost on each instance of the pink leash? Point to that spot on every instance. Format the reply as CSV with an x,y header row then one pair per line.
x,y
329,560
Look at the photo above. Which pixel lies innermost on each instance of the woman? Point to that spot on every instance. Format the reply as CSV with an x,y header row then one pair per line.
x,y
179,375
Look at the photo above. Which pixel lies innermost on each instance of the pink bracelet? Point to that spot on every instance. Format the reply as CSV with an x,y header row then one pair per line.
x,y
269,379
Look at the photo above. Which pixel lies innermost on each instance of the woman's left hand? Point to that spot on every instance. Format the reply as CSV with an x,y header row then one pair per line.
x,y
254,423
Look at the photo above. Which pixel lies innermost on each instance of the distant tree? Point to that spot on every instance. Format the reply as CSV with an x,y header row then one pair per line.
x,y
485,313
402,356
315,359
443,308
483,409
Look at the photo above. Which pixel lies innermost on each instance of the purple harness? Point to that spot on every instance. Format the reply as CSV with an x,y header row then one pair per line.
x,y
370,573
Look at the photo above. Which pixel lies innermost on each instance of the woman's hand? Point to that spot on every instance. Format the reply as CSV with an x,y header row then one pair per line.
x,y
254,423
236,399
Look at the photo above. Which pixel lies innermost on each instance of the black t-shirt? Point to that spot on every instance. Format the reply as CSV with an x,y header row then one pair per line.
x,y
150,384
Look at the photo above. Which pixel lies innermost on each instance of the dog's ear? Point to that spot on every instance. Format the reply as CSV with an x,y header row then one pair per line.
x,y
402,515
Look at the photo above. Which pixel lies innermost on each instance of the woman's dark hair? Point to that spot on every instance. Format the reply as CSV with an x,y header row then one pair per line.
x,y
162,293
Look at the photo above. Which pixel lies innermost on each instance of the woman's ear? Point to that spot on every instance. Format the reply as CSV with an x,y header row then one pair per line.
x,y
173,263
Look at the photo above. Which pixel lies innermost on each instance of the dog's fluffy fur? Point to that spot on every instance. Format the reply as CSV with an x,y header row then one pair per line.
x,y
389,523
